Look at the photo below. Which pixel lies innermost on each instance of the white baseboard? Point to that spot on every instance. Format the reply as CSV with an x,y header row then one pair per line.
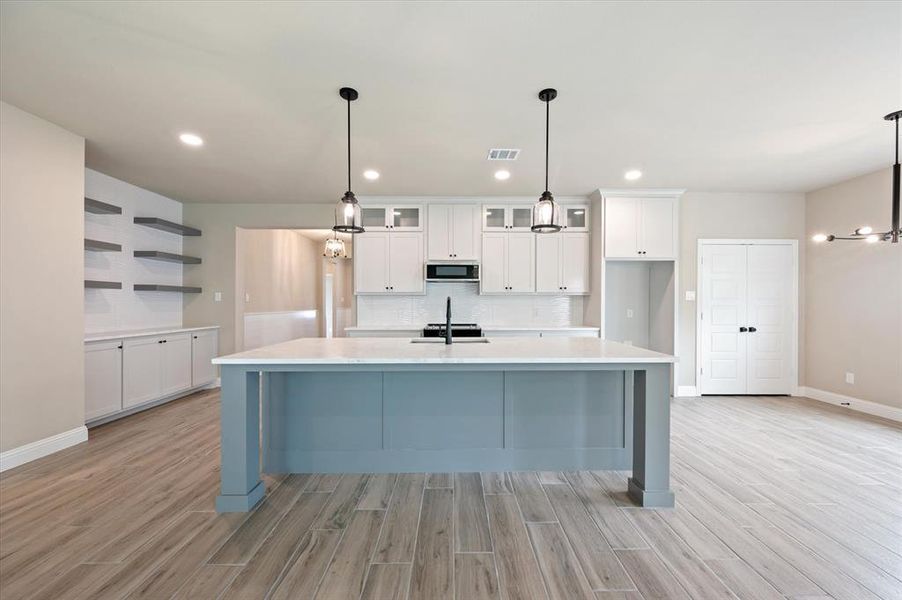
x,y
39,449
856,404
686,391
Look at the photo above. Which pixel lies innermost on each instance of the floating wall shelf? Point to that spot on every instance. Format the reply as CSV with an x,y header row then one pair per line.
x,y
103,285
153,287
167,257
98,246
169,226
101,208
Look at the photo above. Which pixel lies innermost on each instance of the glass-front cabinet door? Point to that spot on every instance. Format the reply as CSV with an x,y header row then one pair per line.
x,y
520,218
406,218
494,218
393,218
507,218
576,218
373,218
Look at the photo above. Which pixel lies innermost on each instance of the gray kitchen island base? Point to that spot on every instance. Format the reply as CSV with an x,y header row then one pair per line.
x,y
333,418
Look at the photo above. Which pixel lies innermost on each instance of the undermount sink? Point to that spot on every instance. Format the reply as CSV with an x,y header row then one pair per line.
x,y
439,340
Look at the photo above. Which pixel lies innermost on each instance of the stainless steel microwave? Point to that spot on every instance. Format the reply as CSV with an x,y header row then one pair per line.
x,y
447,271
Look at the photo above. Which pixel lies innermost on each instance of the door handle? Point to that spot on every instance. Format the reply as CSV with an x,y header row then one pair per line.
x,y
753,329
743,329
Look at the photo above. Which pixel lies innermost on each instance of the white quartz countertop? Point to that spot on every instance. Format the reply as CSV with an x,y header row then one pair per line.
x,y
385,351
133,333
485,328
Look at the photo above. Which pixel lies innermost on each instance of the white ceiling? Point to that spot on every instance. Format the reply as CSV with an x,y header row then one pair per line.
x,y
750,96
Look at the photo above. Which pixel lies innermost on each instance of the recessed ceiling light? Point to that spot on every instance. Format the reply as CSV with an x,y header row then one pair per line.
x,y
502,175
371,174
191,139
632,175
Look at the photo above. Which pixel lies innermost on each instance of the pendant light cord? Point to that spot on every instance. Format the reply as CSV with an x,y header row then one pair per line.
x,y
897,139
349,145
546,142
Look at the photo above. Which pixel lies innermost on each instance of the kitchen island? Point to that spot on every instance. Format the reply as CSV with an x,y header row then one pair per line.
x,y
401,405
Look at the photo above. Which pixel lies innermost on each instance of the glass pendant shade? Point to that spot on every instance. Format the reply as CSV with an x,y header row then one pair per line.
x,y
335,248
347,215
546,214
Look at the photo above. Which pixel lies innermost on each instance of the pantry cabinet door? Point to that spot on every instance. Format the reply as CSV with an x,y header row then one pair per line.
x,y
575,263
405,263
548,263
371,263
492,278
521,260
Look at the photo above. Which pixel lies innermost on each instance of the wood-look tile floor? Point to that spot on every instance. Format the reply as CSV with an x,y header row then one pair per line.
x,y
776,498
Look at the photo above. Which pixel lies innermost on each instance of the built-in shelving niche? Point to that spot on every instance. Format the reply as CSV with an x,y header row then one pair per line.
x,y
98,246
101,208
153,287
168,226
167,257
103,285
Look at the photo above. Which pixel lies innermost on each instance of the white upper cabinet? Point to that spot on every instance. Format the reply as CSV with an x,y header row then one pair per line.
x,y
405,263
371,263
507,218
402,217
642,228
562,263
453,232
388,262
508,263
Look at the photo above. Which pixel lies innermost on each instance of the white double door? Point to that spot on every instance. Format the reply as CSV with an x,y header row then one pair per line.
x,y
747,318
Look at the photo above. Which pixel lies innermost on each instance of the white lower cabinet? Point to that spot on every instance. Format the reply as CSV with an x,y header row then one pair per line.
x,y
126,373
141,380
103,379
204,348
175,363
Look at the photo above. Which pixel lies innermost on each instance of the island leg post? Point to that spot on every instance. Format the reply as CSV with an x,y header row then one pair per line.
x,y
650,483
241,487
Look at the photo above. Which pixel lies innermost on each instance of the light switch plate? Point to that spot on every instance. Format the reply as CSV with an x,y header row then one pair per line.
x,y
690,295
850,378
217,296
629,313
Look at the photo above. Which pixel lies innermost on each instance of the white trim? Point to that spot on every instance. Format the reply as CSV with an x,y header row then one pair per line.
x,y
699,301
41,448
686,391
640,192
855,404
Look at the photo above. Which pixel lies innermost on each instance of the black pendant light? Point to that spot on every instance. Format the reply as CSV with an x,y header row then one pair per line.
x,y
347,213
546,214
867,233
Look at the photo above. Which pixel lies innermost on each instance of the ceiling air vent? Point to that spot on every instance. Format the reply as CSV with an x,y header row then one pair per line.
x,y
504,153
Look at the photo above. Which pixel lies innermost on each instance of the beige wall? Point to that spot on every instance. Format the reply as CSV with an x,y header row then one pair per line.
x,y
730,215
854,294
216,246
42,176
281,270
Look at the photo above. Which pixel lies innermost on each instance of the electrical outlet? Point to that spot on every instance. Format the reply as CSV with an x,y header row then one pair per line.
x,y
217,296
850,378
690,296
247,297
629,313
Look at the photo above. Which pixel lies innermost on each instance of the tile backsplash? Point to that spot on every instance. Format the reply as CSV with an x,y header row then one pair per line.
x,y
469,307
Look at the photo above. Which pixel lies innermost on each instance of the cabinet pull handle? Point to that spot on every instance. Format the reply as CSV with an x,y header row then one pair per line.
x,y
743,329
753,329
119,346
